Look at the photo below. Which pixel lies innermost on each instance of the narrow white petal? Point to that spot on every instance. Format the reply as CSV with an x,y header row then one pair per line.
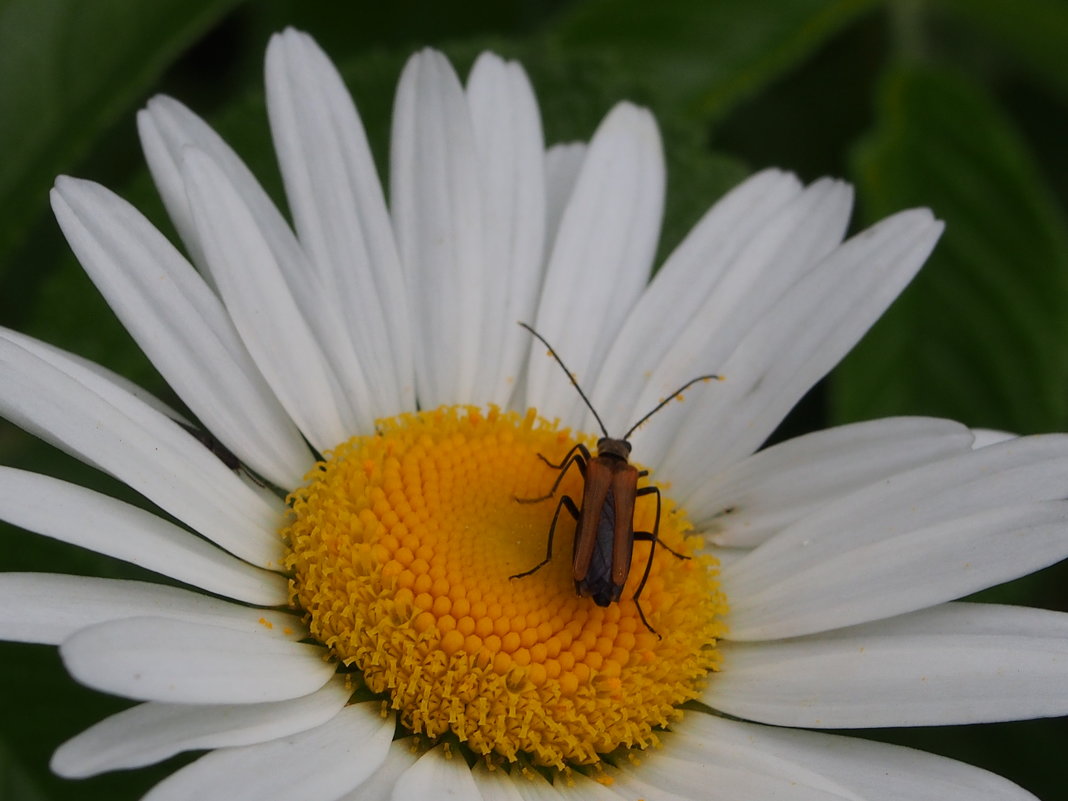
x,y
954,664
500,785
510,153
563,163
858,768
156,659
587,788
530,788
437,212
52,354
988,436
153,732
798,340
161,150
50,607
402,755
169,131
601,258
82,517
706,751
772,261
744,252
631,784
942,562
181,326
437,776
321,763
953,527
271,323
727,556
663,775
754,499
339,210
89,417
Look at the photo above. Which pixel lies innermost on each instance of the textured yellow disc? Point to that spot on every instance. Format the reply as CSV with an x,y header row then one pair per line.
x,y
401,548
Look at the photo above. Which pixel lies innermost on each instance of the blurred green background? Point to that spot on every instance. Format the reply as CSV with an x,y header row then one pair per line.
x,y
960,105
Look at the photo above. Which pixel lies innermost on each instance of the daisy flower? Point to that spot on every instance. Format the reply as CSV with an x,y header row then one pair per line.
x,y
361,618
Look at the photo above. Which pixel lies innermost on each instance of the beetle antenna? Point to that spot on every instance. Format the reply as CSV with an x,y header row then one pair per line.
x,y
670,398
575,383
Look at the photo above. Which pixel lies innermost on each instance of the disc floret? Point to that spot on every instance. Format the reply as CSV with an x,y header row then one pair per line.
x,y
401,548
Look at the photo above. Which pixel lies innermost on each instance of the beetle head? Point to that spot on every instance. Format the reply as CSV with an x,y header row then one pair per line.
x,y
620,448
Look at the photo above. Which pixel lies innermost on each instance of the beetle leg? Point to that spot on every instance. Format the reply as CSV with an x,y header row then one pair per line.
x,y
578,455
641,614
653,538
578,446
565,503
646,536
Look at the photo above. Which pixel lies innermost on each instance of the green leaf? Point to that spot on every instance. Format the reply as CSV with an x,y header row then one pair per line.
x,y
706,55
1036,31
14,781
70,70
981,335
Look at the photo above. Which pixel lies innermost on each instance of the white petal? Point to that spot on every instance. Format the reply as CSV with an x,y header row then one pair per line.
x,y
271,323
50,607
156,659
988,436
727,556
851,766
707,751
601,258
563,163
96,421
941,562
320,763
169,131
951,527
339,210
161,147
500,785
181,326
663,775
437,213
88,519
152,732
52,354
402,755
510,152
437,776
798,340
738,259
630,784
587,788
754,499
958,663
531,788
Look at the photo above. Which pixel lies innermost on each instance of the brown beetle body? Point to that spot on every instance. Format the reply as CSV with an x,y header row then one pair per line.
x,y
604,531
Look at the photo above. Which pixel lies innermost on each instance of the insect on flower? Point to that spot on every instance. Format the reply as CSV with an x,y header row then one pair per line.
x,y
220,451
605,535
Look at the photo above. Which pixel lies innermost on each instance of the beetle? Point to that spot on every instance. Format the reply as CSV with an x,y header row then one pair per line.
x,y
604,534
220,451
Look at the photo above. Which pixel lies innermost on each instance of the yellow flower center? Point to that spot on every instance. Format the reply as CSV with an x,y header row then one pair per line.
x,y
402,545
